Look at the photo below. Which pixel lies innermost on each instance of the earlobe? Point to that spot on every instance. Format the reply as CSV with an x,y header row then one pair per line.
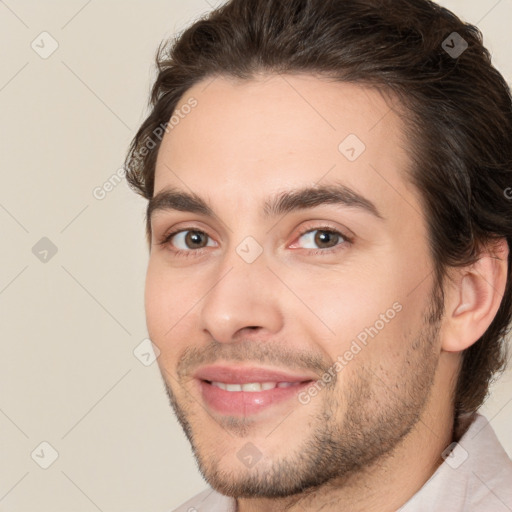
x,y
475,297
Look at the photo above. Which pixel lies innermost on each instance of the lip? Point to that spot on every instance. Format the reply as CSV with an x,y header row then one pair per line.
x,y
245,374
244,403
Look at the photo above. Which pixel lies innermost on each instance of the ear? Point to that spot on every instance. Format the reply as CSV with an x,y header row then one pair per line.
x,y
474,297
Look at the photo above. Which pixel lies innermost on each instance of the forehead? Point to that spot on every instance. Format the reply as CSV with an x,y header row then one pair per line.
x,y
247,138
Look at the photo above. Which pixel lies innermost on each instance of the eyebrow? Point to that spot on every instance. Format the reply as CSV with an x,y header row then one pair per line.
x,y
280,204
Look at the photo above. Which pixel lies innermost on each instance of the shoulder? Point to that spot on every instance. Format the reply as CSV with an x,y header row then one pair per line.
x,y
489,473
476,475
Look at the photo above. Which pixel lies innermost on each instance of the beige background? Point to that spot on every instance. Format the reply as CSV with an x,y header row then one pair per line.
x,y
69,326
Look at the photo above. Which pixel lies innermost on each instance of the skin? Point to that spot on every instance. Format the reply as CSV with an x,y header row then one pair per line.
x,y
370,439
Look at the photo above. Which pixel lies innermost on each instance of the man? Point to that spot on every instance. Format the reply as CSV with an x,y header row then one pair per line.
x,y
329,275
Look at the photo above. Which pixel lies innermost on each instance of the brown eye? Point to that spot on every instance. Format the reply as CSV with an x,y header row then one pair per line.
x,y
189,239
321,238
195,239
326,238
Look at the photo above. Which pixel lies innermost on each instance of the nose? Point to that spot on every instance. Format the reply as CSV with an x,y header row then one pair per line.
x,y
242,300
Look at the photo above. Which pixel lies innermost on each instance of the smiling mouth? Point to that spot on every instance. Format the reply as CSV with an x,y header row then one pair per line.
x,y
248,398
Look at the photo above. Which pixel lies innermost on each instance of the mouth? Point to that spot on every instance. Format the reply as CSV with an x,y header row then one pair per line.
x,y
248,398
239,391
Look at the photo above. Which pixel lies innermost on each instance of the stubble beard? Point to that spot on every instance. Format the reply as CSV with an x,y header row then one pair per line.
x,y
335,448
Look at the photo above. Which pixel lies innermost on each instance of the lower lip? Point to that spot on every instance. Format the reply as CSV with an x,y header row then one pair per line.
x,y
244,403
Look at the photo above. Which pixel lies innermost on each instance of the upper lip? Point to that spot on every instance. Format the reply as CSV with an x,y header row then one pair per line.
x,y
246,374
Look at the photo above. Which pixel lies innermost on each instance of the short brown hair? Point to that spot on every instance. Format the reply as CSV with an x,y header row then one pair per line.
x,y
459,115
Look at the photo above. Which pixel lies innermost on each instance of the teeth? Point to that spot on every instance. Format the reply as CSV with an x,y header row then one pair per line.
x,y
253,386
286,384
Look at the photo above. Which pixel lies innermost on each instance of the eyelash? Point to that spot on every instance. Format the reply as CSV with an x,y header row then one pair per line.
x,y
198,252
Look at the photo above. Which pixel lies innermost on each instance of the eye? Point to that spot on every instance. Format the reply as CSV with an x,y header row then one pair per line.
x,y
187,240
323,238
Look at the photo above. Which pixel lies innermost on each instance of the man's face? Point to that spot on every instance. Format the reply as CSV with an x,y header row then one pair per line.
x,y
332,287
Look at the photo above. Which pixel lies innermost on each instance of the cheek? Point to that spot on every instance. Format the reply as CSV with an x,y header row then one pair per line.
x,y
369,313
337,305
168,303
156,301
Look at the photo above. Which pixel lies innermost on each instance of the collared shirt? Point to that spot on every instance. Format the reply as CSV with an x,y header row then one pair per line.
x,y
476,476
